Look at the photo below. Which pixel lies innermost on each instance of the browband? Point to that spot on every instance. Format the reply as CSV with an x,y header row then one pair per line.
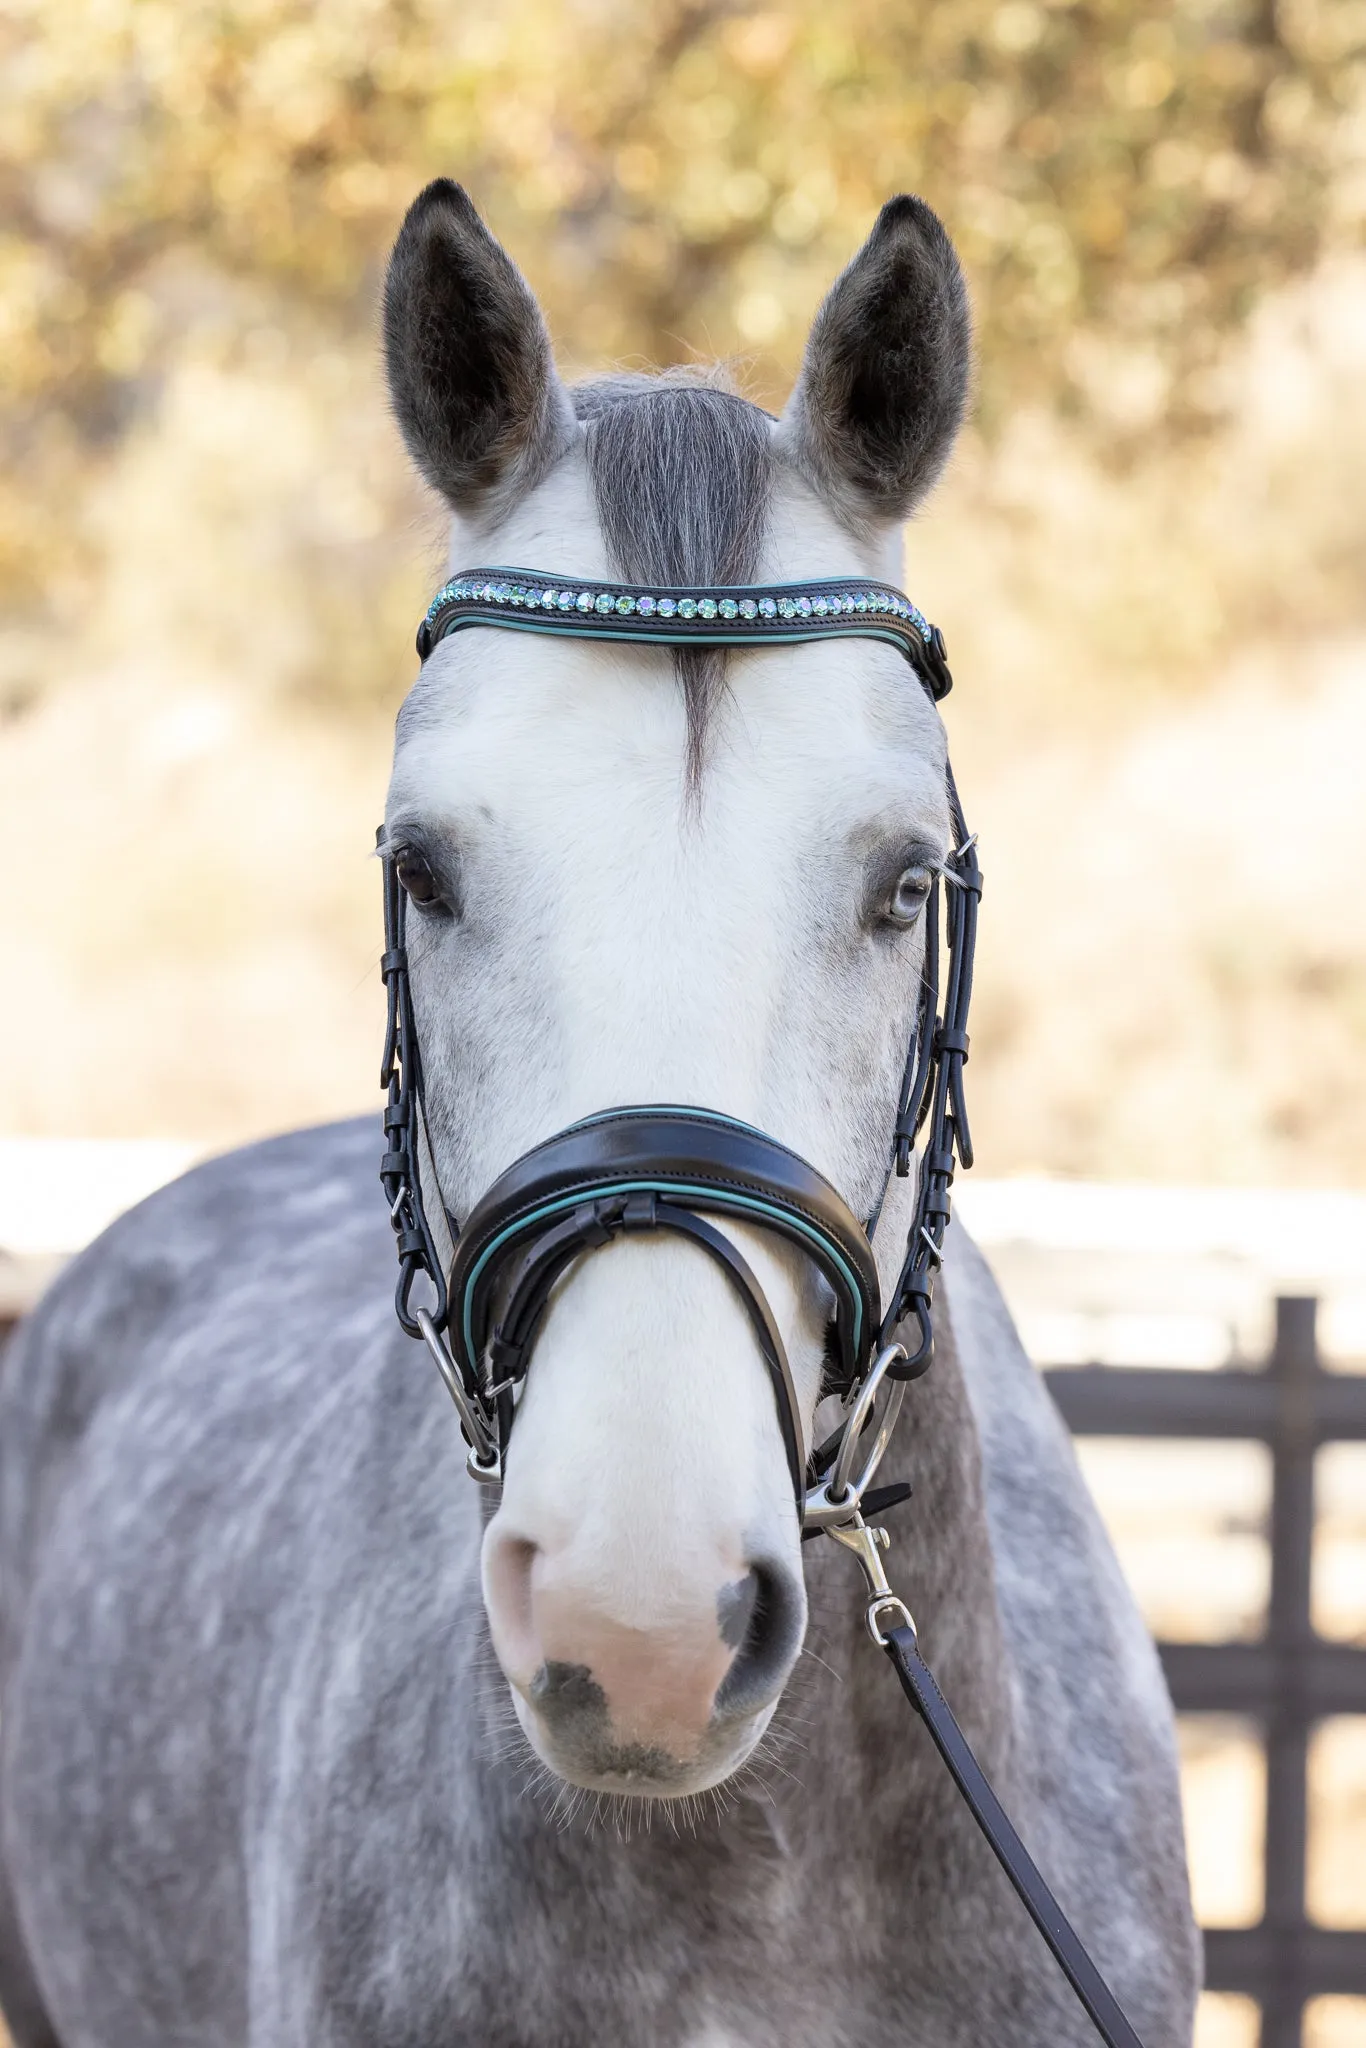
x,y
774,614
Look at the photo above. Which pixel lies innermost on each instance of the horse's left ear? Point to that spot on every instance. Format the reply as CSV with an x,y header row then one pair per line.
x,y
885,378
471,375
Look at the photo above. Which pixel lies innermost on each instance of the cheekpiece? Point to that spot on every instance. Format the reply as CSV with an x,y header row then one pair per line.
x,y
742,615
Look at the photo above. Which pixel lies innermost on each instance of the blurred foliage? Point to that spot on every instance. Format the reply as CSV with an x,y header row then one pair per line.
x,y
1163,628
1122,181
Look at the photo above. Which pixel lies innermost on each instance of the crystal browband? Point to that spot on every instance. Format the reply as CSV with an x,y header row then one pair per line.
x,y
723,616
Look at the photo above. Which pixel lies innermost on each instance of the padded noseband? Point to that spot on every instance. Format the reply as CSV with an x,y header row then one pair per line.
x,y
655,1169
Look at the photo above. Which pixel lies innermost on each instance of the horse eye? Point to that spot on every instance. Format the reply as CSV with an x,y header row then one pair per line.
x,y
907,899
417,879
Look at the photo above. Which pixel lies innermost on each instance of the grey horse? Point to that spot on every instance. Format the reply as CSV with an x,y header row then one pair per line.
x,y
306,1739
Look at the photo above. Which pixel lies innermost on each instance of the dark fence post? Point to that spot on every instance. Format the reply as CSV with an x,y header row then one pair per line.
x,y
1294,1368
1289,1679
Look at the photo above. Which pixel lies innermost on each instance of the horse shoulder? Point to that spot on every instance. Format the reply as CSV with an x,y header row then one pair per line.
x,y
233,1525
213,1243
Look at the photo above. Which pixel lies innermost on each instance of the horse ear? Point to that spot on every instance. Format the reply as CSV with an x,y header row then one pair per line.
x,y
470,369
885,377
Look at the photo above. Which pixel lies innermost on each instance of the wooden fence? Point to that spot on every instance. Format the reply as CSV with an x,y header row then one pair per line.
x,y
1292,1677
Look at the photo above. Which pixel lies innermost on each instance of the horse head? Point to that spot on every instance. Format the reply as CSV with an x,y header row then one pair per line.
x,y
696,876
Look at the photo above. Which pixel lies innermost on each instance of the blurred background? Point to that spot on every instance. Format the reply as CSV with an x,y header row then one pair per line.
x,y
1147,559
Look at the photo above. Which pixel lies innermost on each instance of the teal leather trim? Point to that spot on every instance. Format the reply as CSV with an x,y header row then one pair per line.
x,y
706,636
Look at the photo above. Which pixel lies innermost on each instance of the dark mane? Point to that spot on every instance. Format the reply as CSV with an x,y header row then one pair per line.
x,y
682,474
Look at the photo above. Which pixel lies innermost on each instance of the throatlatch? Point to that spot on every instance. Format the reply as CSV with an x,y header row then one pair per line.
x,y
687,1170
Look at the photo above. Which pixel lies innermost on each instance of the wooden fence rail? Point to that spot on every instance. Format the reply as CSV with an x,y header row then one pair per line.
x,y
1289,1679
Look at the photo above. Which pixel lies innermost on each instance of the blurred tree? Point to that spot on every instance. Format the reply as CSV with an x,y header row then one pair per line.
x,y
1122,180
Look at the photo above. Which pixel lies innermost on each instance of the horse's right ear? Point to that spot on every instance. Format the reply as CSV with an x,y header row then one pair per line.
x,y
470,369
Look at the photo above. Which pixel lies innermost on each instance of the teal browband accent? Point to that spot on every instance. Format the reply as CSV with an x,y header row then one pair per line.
x,y
740,615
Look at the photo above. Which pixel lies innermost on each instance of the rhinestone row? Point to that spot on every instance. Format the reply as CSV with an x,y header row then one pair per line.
x,y
819,605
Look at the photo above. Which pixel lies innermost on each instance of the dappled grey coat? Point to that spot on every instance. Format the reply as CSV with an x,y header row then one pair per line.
x,y
258,1786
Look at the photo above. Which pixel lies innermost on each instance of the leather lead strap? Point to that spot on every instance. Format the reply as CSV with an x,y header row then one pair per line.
x,y
595,1223
918,1684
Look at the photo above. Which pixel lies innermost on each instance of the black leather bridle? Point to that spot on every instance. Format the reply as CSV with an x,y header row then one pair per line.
x,y
689,1170
676,1168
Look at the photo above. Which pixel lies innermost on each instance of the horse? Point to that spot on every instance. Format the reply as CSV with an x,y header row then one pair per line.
x,y
307,1739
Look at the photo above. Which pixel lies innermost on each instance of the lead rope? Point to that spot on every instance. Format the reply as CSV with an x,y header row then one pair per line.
x,y
892,1629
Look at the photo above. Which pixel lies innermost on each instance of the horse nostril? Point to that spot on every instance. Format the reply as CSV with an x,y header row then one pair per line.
x,y
762,1615
507,1596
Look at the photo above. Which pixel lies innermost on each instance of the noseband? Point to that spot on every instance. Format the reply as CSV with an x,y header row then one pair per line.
x,y
690,1171
680,1169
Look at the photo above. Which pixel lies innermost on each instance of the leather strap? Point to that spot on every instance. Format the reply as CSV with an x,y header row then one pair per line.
x,y
594,1223
918,1683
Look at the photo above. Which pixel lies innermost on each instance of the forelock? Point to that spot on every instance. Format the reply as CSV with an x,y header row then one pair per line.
x,y
682,475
